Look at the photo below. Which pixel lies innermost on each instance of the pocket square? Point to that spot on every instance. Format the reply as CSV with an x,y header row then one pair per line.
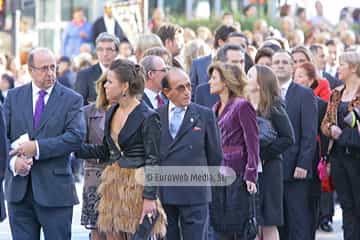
x,y
196,129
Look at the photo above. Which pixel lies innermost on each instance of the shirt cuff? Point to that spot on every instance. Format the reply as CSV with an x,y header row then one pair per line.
x,y
37,155
12,165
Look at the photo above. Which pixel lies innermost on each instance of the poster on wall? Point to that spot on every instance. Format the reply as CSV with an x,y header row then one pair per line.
x,y
130,15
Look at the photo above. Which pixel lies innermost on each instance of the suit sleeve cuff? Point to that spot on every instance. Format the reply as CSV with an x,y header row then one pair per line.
x,y
12,165
37,155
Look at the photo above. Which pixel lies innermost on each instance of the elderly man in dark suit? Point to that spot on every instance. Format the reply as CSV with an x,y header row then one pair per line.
x,y
44,125
107,23
107,48
301,106
3,159
155,70
190,137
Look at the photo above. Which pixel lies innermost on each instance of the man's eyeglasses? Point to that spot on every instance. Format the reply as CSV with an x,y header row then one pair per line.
x,y
183,87
44,69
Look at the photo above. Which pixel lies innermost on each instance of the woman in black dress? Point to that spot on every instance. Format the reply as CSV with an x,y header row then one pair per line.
x,y
345,152
131,142
264,94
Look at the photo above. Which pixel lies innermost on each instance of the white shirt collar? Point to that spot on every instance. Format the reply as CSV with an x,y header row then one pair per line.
x,y
152,96
35,94
285,87
103,68
172,105
36,90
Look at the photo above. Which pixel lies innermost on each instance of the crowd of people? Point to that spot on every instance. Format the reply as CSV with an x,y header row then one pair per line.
x,y
268,107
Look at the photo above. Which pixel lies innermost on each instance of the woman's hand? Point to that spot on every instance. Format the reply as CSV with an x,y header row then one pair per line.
x,y
335,132
251,187
149,207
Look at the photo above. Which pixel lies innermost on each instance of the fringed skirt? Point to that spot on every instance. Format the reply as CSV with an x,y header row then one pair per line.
x,y
121,202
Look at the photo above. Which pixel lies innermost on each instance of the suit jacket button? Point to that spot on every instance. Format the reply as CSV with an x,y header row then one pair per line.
x,y
190,147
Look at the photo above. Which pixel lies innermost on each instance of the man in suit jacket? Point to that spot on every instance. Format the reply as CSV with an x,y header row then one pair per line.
x,y
227,53
155,70
190,137
301,107
199,66
39,186
320,58
107,48
3,159
107,23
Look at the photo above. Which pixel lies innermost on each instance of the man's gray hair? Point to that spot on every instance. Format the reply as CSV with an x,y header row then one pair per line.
x,y
221,54
107,37
31,56
148,64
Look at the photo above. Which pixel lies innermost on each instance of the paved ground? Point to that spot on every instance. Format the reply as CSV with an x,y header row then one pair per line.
x,y
79,233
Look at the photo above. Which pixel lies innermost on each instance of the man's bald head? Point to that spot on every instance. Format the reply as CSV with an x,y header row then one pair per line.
x,y
177,87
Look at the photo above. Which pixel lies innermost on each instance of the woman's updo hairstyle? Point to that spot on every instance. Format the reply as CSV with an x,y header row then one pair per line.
x,y
128,72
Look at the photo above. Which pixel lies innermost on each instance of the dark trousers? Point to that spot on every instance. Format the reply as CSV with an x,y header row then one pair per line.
x,y
315,195
189,221
228,236
297,211
327,208
345,172
28,217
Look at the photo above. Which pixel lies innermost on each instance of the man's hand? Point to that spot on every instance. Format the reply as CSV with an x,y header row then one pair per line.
x,y
300,173
23,166
27,149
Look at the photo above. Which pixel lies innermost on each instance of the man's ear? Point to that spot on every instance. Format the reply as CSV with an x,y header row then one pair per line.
x,y
166,91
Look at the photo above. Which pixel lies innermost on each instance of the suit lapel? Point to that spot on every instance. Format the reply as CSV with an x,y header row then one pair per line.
x,y
289,93
132,124
28,109
189,121
53,104
147,100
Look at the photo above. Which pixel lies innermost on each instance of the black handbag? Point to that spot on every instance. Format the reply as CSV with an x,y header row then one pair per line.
x,y
251,225
143,231
267,133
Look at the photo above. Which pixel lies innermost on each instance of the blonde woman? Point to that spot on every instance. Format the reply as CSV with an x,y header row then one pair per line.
x,y
345,153
95,121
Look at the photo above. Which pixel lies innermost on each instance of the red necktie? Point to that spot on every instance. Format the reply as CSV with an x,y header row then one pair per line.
x,y
160,102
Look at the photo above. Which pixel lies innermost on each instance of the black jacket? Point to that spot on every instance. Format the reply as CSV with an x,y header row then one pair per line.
x,y
139,142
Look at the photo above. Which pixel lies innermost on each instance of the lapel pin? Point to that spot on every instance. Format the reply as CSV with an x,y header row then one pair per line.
x,y
191,120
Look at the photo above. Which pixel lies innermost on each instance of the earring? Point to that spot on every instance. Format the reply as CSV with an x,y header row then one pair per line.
x,y
123,94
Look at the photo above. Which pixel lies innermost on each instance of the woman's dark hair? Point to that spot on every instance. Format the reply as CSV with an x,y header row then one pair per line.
x,y
269,89
264,52
131,73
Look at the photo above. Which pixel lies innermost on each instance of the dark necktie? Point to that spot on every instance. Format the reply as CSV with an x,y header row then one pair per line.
x,y
39,107
160,102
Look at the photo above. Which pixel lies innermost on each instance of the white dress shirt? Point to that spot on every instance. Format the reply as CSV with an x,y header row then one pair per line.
x,y
35,95
152,97
110,25
284,88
